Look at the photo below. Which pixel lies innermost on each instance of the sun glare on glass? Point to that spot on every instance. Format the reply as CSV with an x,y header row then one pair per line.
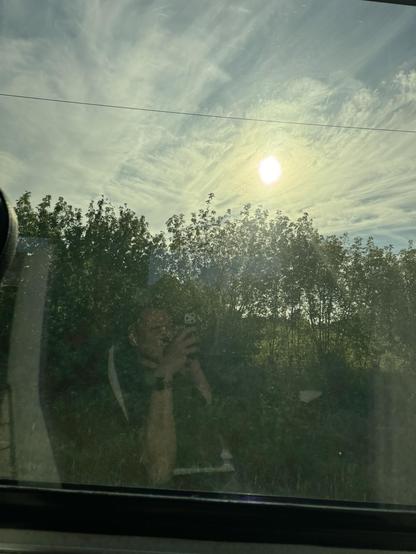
x,y
270,170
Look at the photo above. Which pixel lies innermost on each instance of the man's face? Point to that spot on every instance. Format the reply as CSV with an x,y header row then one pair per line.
x,y
154,332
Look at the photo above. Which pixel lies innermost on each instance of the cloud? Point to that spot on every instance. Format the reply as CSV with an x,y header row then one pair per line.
x,y
258,59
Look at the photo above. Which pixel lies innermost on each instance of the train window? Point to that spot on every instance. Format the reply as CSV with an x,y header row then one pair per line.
x,y
214,288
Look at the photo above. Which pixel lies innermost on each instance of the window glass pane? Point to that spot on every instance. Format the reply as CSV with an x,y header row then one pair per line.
x,y
215,283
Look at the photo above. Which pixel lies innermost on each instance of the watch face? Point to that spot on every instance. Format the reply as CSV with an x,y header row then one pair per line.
x,y
159,383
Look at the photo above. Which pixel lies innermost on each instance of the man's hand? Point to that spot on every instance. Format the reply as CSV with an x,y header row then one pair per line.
x,y
175,356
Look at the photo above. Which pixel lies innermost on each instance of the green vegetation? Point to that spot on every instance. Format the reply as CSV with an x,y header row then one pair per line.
x,y
282,309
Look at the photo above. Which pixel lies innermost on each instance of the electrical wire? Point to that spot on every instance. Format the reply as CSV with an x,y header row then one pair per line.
x,y
207,115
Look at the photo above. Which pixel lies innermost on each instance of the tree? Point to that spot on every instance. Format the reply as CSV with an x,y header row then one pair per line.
x,y
280,308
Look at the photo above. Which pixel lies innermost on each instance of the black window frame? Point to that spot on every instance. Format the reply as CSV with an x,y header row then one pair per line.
x,y
207,516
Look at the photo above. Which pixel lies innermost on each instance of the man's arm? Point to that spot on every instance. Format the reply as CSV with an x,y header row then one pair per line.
x,y
159,451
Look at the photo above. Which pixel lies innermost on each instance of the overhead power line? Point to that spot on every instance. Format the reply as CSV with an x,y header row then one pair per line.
x,y
207,115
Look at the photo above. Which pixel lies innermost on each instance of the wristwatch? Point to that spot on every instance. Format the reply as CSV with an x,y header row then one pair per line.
x,y
160,383
156,382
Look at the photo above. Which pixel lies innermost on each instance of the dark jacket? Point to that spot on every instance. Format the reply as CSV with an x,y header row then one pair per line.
x,y
92,440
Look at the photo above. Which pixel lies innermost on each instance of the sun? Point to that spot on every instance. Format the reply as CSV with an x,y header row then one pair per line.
x,y
270,170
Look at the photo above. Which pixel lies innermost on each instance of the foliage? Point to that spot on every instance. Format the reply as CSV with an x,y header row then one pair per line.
x,y
281,309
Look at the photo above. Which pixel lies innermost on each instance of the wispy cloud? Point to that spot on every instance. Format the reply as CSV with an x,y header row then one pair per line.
x,y
328,62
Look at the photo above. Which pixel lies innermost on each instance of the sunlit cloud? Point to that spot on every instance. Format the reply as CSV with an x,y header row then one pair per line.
x,y
258,59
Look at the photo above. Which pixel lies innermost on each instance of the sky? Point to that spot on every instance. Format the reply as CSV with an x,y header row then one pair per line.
x,y
319,61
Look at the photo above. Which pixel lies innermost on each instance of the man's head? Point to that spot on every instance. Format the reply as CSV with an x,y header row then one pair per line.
x,y
152,332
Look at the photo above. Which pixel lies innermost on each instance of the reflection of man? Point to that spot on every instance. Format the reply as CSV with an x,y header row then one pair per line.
x,y
162,390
